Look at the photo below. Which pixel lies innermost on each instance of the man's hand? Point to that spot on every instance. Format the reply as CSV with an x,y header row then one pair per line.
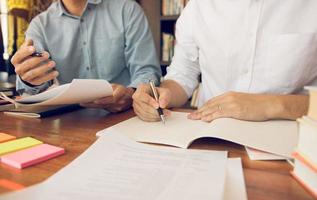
x,y
241,106
121,100
33,70
145,106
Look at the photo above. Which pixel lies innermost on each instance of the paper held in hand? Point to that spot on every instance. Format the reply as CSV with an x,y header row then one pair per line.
x,y
78,91
278,136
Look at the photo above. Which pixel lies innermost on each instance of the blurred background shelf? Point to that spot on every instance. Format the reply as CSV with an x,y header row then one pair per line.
x,y
163,24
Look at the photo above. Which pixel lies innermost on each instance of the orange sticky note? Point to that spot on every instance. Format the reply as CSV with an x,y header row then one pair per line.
x,y
10,185
5,137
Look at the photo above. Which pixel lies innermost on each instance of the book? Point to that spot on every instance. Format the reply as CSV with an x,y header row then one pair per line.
x,y
306,176
78,91
32,156
40,111
312,111
173,7
196,95
179,131
168,43
307,139
255,154
304,159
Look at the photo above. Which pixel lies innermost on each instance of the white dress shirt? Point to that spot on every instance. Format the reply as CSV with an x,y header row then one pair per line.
x,y
254,46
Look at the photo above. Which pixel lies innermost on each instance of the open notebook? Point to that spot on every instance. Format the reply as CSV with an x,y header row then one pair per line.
x,y
78,91
279,136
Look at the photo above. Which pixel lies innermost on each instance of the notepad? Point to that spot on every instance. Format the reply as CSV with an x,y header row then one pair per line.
x,y
32,156
5,137
19,144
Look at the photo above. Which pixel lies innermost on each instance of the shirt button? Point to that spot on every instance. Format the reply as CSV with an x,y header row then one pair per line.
x,y
87,68
84,43
81,20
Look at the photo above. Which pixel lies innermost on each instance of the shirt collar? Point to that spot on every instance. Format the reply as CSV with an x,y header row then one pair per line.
x,y
61,10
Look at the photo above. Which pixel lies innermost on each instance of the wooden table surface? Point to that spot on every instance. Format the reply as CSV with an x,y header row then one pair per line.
x,y
75,131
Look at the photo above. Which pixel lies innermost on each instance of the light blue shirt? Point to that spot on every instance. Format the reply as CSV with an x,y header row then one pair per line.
x,y
111,40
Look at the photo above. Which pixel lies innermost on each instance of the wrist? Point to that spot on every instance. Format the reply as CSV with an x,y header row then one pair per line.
x,y
288,107
276,108
130,91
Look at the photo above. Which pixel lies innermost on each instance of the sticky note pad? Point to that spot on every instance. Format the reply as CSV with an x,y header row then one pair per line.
x,y
32,156
5,137
19,144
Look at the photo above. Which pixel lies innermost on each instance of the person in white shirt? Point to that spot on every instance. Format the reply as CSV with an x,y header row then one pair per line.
x,y
254,58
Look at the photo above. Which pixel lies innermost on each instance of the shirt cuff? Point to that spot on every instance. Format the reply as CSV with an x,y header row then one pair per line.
x,y
21,85
187,84
145,80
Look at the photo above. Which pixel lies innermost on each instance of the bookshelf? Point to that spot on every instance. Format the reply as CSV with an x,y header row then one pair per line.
x,y
160,24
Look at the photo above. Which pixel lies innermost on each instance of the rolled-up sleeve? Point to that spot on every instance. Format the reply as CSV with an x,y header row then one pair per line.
x,y
184,68
140,53
34,32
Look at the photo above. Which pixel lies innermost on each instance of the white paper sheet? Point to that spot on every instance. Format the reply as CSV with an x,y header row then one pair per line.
x,y
235,184
279,137
78,91
255,154
119,169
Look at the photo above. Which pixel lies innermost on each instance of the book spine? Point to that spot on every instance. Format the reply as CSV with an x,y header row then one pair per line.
x,y
303,159
307,187
173,7
312,111
168,43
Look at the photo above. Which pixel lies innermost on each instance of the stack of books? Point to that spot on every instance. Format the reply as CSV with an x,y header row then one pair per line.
x,y
305,170
168,43
173,7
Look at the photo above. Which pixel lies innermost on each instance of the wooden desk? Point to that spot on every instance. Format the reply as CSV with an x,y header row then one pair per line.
x,y
76,132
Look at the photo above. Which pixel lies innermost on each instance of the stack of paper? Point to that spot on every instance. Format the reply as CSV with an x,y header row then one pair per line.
x,y
117,168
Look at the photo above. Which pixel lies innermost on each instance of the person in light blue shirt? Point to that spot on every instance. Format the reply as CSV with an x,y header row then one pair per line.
x,y
89,39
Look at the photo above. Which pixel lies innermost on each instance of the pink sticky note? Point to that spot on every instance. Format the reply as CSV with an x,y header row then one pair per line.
x,y
32,156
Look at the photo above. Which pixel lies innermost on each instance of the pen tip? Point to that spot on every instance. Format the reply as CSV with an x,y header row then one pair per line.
x,y
163,119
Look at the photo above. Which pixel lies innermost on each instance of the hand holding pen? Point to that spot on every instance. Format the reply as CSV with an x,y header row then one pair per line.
x,y
155,95
33,67
147,106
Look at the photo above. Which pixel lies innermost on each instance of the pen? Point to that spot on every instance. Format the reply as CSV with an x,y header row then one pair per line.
x,y
40,54
37,54
154,92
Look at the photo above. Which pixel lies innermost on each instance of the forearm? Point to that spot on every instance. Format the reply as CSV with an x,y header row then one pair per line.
x,y
288,106
178,94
